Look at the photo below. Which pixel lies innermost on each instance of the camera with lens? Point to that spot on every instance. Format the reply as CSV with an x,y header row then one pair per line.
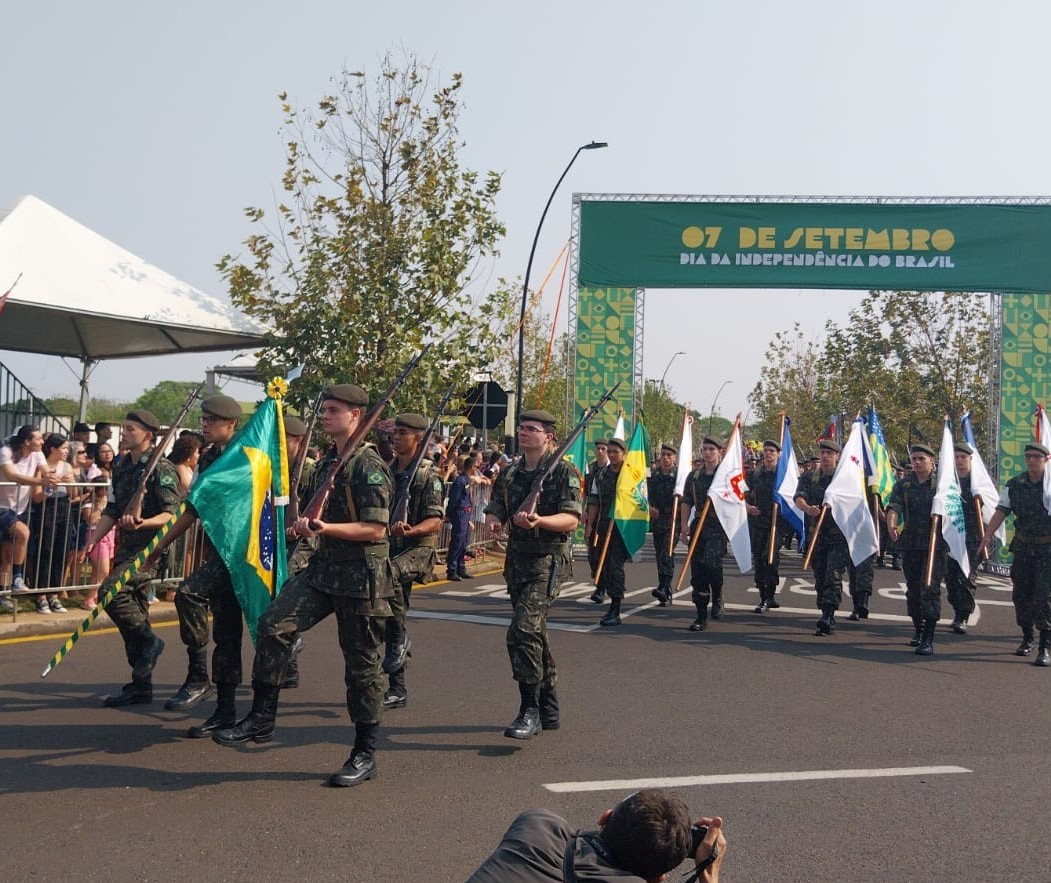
x,y
698,832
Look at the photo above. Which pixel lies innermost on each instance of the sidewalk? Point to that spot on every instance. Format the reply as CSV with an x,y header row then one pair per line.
x,y
30,624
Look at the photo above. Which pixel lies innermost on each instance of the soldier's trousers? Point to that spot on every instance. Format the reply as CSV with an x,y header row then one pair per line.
x,y
1031,586
533,582
958,588
665,558
299,608
829,561
766,575
130,609
861,576
611,580
706,570
922,601
207,587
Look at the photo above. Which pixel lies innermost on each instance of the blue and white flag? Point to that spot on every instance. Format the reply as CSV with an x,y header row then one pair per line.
x,y
786,480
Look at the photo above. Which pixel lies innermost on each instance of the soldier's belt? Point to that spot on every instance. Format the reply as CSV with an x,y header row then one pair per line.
x,y
538,547
1032,541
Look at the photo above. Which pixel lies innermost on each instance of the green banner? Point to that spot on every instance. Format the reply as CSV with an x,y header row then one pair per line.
x,y
605,354
815,245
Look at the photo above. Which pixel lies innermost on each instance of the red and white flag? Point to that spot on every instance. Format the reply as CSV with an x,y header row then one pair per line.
x,y
727,496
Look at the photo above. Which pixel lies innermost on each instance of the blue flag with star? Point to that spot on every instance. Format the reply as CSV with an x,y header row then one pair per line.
x,y
237,500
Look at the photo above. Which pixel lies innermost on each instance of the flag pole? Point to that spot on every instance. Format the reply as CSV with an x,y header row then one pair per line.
x,y
814,536
605,549
122,580
693,541
978,509
936,521
674,520
771,545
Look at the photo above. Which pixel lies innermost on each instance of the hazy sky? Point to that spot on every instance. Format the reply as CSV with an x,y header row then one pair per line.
x,y
155,126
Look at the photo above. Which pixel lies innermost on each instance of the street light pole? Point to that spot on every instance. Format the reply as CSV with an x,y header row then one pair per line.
x,y
711,415
666,367
594,145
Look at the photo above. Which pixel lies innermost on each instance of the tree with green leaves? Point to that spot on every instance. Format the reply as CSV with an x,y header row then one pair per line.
x,y
167,399
378,239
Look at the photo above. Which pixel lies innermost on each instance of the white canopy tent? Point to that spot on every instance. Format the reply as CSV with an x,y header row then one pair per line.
x,y
81,296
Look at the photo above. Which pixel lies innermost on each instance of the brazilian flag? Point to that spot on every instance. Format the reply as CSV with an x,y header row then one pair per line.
x,y
237,501
631,507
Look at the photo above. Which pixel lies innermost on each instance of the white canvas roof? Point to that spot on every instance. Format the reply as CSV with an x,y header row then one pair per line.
x,y
82,296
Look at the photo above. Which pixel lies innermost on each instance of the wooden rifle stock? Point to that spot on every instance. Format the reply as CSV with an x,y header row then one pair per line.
x,y
400,512
292,510
529,504
134,507
318,502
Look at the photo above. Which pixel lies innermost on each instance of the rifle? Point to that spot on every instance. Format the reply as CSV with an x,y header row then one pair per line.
x,y
400,511
318,502
134,507
292,510
528,506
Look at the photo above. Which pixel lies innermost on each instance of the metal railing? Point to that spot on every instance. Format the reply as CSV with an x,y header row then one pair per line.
x,y
19,406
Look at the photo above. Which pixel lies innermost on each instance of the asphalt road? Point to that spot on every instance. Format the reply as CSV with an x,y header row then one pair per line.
x,y
842,758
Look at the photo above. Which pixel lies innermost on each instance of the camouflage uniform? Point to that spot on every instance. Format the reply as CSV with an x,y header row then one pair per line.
x,y
706,565
593,537
350,579
762,495
1031,547
300,549
537,563
831,556
911,499
412,558
129,609
209,587
603,493
958,588
661,494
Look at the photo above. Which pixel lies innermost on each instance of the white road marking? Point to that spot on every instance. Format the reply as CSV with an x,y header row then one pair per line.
x,y
496,620
752,778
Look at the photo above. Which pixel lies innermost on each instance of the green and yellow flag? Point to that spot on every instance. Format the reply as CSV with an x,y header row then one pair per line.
x,y
631,506
880,471
237,501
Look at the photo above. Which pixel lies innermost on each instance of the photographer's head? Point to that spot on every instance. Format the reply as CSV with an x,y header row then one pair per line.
x,y
648,833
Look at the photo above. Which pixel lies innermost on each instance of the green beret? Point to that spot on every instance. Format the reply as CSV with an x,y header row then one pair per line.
x,y
412,421
770,443
669,448
616,443
921,449
829,445
294,426
600,441
144,418
348,393
962,448
1038,448
539,416
221,406
713,440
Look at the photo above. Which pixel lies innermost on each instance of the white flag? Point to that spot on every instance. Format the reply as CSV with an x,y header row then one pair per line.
x,y
727,496
845,497
1043,437
685,466
948,503
619,431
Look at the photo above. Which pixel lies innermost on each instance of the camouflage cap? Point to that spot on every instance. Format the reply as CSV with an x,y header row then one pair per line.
x,y
223,407
922,449
770,443
348,393
294,426
144,418
617,443
412,421
828,445
962,448
713,440
539,416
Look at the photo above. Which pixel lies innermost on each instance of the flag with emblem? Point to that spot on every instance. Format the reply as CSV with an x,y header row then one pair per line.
x,y
727,496
237,500
631,505
948,502
846,499
879,469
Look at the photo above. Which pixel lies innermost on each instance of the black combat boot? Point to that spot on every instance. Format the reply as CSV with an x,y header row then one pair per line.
x,y
397,696
150,651
959,624
135,693
598,596
700,624
771,599
291,680
527,724
196,687
613,617
224,716
717,602
397,645
549,718
918,635
764,600
1026,647
926,646
361,765
259,725
827,624
1043,653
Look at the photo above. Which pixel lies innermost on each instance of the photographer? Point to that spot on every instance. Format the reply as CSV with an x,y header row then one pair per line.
x,y
643,837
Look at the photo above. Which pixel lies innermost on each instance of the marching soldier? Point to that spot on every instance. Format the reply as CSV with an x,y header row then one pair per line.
x,y
762,497
959,589
594,544
413,544
538,561
349,576
706,565
661,494
130,609
610,542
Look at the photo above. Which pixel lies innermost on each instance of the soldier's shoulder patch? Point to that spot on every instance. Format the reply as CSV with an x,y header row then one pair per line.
x,y
437,483
574,481
374,477
167,479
